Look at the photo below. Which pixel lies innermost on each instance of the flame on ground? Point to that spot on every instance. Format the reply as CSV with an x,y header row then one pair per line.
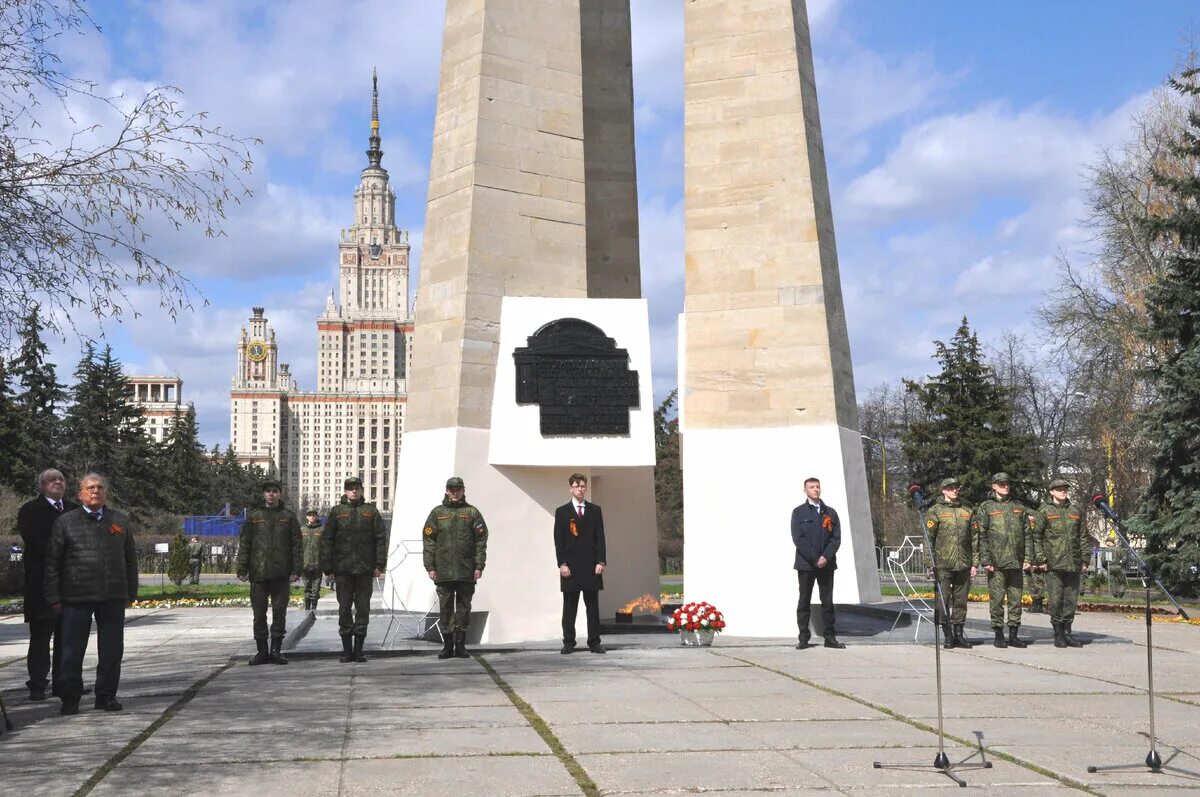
x,y
646,603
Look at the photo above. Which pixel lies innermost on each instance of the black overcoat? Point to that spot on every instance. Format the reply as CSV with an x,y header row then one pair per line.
x,y
580,551
34,521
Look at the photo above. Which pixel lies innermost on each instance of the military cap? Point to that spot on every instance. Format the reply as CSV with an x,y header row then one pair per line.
x,y
948,482
351,481
1059,482
454,483
271,484
1000,478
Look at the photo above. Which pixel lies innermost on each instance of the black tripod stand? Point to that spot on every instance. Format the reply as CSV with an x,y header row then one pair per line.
x,y
941,761
1153,760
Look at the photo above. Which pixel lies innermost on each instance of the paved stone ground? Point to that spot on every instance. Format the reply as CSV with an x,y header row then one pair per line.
x,y
744,717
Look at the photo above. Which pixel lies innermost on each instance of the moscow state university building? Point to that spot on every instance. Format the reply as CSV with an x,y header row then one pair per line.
x,y
352,423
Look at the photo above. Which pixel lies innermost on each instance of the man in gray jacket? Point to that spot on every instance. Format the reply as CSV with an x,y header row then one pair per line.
x,y
91,571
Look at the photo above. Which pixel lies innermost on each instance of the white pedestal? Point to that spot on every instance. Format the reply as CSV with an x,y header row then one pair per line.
x,y
516,478
741,486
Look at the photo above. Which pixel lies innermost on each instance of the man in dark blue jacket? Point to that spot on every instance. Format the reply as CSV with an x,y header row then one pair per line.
x,y
817,534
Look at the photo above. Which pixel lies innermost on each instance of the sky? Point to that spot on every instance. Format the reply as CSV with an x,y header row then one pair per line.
x,y
958,138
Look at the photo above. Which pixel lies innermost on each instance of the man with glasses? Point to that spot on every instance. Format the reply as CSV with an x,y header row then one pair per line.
x,y
34,521
91,571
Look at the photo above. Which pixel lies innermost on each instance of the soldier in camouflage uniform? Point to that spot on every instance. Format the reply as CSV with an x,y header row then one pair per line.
x,y
1061,547
950,533
1115,568
354,549
455,552
269,558
1001,526
310,537
195,554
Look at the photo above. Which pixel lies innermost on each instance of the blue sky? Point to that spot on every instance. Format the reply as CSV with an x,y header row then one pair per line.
x,y
957,134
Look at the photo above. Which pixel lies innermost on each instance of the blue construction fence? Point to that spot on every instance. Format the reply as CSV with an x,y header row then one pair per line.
x,y
213,526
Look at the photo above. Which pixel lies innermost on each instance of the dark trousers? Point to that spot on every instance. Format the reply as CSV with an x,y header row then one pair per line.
x,y
354,602
312,585
277,590
194,568
823,578
454,605
39,660
110,644
591,607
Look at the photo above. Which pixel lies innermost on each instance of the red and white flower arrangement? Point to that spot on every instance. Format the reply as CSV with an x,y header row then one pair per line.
x,y
698,616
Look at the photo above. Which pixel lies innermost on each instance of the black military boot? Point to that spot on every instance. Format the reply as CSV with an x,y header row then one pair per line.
x,y
960,639
261,656
999,641
347,651
1069,638
1059,641
277,651
447,646
460,645
948,638
359,639
1014,641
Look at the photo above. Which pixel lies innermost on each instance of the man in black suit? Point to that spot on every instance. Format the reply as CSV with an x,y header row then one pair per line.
x,y
817,534
579,546
34,520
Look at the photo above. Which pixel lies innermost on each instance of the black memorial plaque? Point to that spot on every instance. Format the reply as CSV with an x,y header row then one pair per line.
x,y
578,377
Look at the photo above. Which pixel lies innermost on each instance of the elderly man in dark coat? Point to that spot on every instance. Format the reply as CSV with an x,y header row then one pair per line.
x,y
91,571
34,521
579,547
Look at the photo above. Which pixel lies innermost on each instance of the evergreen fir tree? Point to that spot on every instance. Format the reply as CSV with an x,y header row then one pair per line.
x,y
11,471
1169,513
177,561
968,431
90,428
185,471
38,399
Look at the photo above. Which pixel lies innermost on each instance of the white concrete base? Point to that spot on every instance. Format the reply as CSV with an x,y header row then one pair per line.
x,y
740,486
519,589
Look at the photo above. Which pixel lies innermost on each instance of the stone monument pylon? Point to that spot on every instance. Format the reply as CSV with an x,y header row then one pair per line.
x,y
532,218
766,381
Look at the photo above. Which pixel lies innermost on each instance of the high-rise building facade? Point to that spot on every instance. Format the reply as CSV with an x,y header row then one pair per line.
x,y
353,422
160,398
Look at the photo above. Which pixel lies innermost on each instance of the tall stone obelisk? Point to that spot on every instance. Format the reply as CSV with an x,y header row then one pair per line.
x,y
532,193
767,384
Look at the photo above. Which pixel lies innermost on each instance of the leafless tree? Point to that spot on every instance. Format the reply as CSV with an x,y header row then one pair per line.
x,y
77,205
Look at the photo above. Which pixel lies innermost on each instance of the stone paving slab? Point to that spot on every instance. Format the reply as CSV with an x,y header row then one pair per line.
x,y
645,719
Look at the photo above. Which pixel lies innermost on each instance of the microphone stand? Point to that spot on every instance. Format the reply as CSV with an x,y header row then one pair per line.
x,y
1153,761
941,761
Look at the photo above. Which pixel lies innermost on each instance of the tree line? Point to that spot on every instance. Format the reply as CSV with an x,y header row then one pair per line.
x,y
1108,394
90,427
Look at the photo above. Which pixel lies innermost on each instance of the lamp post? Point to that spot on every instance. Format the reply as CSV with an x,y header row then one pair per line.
x,y
883,481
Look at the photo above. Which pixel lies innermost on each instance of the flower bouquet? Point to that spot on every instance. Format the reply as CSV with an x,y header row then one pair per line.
x,y
697,623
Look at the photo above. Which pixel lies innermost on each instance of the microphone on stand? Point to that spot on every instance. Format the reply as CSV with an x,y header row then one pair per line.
x,y
918,496
1099,502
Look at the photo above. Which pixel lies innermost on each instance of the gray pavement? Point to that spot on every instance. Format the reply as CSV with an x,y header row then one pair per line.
x,y
742,717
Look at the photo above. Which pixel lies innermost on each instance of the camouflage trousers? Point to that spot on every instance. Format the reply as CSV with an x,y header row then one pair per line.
x,y
277,591
1036,584
1063,586
194,570
955,586
454,604
1116,580
1005,584
312,585
354,602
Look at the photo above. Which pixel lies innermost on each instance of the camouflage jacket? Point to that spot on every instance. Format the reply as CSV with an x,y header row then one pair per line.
x,y
1001,526
195,551
354,540
270,544
1060,538
1117,558
310,542
455,536
950,532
